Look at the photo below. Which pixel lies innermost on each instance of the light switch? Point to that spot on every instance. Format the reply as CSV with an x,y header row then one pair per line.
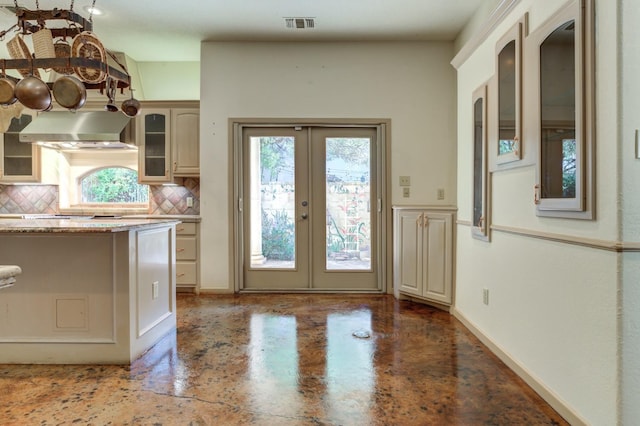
x,y
406,192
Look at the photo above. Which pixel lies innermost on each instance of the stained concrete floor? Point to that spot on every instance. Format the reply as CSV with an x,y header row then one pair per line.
x,y
286,360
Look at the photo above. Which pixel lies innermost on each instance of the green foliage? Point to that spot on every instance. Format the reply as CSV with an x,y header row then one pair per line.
x,y
278,236
114,185
275,152
569,168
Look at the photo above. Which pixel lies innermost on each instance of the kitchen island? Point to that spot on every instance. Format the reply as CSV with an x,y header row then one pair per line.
x,y
99,291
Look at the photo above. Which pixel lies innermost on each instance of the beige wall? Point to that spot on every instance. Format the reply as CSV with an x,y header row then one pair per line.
x,y
410,83
553,306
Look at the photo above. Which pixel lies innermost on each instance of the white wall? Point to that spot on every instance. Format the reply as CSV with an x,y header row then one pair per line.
x,y
553,306
410,83
629,55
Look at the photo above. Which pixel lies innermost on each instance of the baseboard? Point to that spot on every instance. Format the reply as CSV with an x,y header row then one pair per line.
x,y
539,387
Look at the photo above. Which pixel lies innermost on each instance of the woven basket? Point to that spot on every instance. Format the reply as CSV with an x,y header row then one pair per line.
x,y
18,50
87,45
43,44
62,50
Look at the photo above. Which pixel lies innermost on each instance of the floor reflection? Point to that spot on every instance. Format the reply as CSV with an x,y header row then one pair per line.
x,y
273,363
350,371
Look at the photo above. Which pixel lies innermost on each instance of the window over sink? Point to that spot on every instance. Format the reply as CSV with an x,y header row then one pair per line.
x,y
103,182
113,185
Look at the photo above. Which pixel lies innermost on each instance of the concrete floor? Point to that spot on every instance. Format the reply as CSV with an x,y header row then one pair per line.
x,y
286,360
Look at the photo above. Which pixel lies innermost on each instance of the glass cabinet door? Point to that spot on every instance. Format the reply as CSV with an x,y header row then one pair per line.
x,y
154,161
20,161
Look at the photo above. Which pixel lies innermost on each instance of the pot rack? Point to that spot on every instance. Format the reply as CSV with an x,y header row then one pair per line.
x,y
78,24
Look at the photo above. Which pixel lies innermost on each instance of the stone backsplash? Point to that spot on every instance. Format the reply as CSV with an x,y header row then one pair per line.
x,y
39,199
29,199
173,199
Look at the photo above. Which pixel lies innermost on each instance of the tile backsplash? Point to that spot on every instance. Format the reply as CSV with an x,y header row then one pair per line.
x,y
173,199
36,199
28,199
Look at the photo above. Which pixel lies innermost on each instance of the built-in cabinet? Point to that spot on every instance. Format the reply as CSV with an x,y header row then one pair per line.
x,y
168,141
20,161
423,253
187,256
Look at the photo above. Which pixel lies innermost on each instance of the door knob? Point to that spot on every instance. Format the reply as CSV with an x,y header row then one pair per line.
x,y
304,215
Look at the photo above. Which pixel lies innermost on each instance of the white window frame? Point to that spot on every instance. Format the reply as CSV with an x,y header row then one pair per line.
x,y
480,230
582,205
513,34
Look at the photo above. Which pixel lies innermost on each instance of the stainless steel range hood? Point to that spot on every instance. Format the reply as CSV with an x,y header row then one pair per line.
x,y
79,130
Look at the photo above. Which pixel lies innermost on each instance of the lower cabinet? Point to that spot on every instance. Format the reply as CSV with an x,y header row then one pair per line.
x,y
423,253
187,254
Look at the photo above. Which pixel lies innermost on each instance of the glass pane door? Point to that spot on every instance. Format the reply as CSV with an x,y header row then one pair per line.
x,y
309,208
275,208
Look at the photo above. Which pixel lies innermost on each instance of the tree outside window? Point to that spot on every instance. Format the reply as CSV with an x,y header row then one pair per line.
x,y
115,185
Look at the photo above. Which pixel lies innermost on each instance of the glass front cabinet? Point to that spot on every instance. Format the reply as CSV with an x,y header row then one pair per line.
x,y
20,161
154,130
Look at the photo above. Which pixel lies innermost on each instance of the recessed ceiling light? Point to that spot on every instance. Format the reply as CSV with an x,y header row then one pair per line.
x,y
93,10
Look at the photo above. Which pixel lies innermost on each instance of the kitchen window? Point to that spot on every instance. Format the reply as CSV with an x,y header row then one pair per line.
x,y
113,185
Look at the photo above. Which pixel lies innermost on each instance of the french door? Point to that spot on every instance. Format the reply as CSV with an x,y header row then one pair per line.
x,y
309,208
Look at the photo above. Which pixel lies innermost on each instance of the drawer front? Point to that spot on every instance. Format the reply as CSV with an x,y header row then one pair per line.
x,y
186,248
186,273
188,228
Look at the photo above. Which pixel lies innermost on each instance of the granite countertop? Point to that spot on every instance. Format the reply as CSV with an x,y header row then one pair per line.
x,y
79,225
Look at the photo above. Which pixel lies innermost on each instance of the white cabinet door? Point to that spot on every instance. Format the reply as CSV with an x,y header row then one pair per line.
x,y
423,254
437,256
408,251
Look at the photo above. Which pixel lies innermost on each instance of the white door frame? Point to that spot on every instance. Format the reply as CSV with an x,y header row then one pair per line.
x,y
383,128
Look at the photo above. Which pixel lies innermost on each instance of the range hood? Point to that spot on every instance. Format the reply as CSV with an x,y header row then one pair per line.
x,y
67,130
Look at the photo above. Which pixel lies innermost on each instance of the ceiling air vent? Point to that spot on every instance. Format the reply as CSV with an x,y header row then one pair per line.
x,y
300,23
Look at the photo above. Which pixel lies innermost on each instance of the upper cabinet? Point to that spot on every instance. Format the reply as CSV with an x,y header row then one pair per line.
x,y
169,142
185,141
154,130
20,161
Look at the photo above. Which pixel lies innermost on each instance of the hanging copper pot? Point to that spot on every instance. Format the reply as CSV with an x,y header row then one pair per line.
x,y
7,88
34,93
69,92
131,106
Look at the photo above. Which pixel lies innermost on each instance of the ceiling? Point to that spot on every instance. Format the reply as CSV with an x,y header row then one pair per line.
x,y
170,30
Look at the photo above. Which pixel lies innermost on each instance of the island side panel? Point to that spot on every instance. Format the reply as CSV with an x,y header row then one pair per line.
x,y
154,298
64,297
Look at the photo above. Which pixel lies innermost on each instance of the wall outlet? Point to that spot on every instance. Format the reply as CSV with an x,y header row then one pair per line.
x,y
155,289
405,180
406,192
189,201
485,296
440,193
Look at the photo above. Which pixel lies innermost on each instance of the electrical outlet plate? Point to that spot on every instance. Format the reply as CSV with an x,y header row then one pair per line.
x,y
155,289
405,180
189,201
